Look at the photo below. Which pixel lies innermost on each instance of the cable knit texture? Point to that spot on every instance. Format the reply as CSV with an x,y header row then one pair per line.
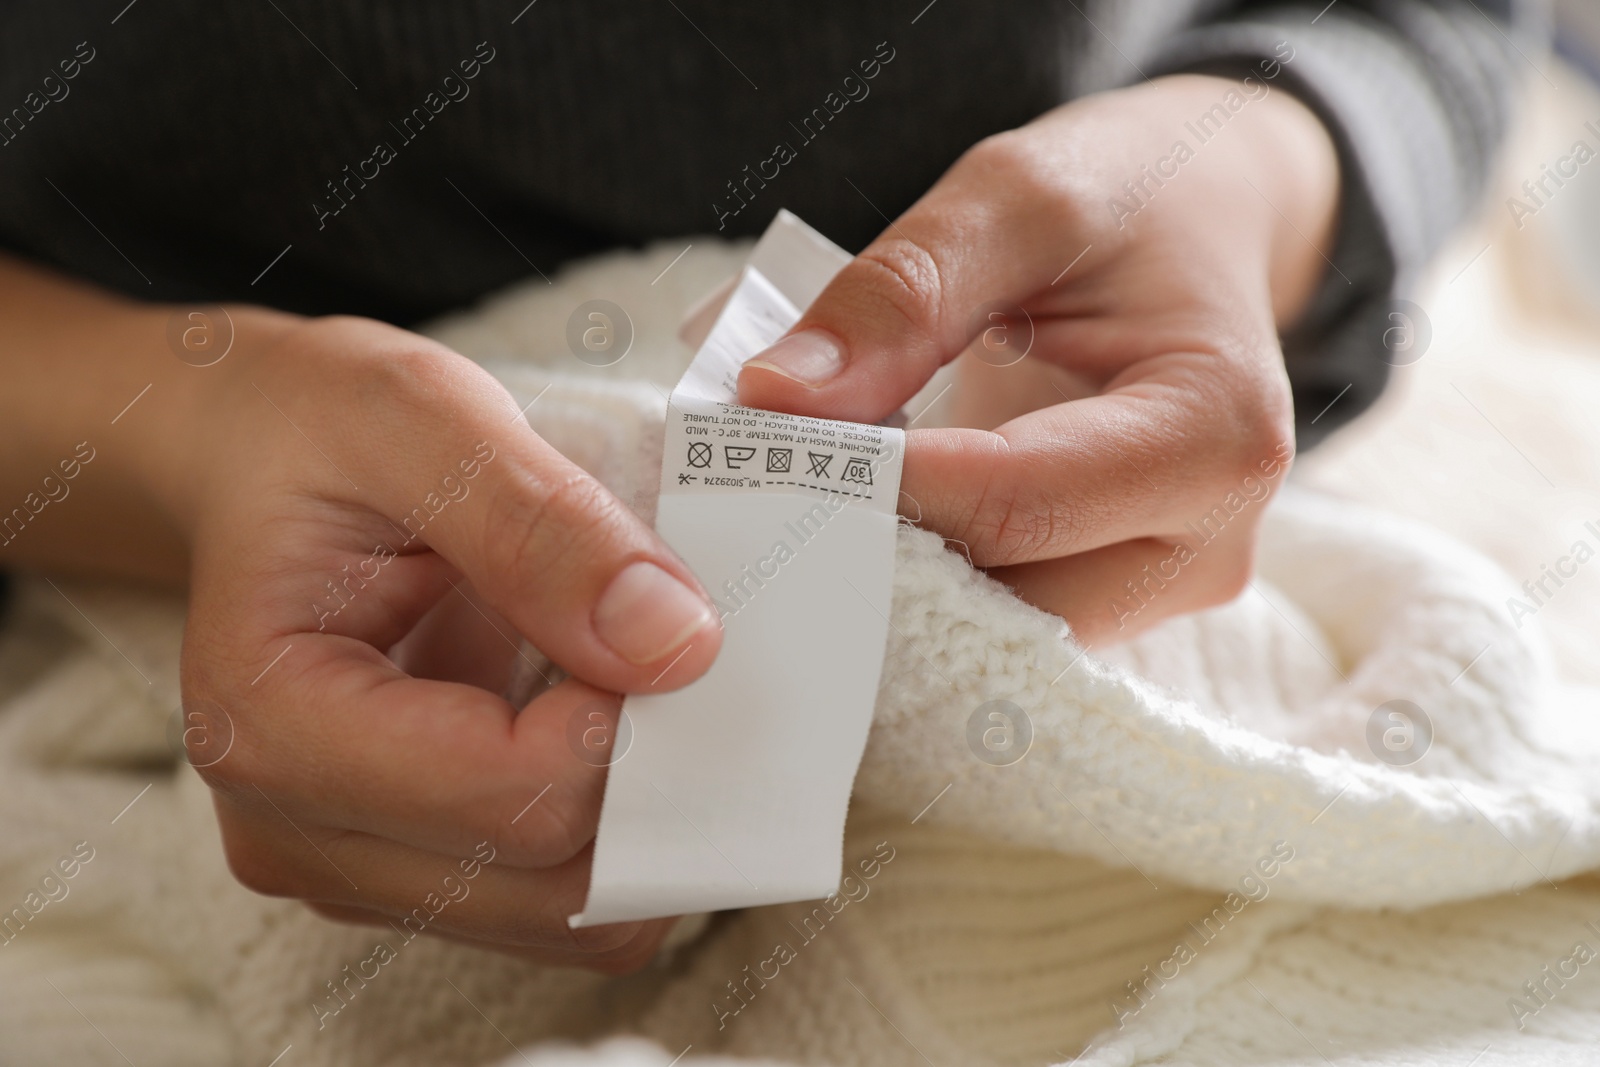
x,y
1102,898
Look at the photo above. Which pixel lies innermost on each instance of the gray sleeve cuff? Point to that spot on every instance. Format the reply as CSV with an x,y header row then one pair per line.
x,y
1416,95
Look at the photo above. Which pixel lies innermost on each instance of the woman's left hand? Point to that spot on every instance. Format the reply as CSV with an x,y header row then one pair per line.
x,y
1118,474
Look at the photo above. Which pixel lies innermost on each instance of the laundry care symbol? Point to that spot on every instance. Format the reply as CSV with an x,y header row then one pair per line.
x,y
699,454
857,470
736,455
819,463
778,460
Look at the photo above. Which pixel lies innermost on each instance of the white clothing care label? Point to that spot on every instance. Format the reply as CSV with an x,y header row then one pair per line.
x,y
732,791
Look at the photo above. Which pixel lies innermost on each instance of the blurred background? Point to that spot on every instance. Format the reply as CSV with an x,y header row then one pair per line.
x,y
1565,246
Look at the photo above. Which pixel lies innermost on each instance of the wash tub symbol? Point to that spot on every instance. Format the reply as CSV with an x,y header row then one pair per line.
x,y
857,470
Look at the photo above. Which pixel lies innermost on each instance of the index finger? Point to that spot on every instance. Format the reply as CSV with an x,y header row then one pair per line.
x,y
336,736
1164,450
442,453
993,231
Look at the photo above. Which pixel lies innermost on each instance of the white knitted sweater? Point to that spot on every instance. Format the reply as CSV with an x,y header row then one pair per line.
x,y
1200,860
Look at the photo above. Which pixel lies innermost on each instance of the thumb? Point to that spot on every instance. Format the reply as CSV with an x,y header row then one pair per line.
x,y
456,468
952,266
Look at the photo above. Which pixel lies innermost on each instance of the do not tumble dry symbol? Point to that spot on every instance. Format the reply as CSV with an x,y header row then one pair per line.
x,y
819,463
737,455
699,454
778,460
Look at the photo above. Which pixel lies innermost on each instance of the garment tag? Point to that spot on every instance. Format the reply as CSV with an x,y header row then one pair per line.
x,y
732,792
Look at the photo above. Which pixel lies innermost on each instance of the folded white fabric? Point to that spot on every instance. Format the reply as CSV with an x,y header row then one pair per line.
x,y
1132,760
1210,752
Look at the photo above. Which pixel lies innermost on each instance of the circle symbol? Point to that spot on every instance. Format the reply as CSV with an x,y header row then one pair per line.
x,y
200,733
1002,334
200,336
599,733
1399,733
1407,333
999,733
599,333
699,454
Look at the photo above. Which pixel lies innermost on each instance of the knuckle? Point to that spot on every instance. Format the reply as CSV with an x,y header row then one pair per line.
x,y
409,379
537,927
635,955
388,374
258,868
1010,530
219,778
1261,404
1249,410
232,773
1016,525
242,773
615,946
547,835
1009,158
1263,426
338,327
331,912
905,278
1234,571
1039,187
557,528
339,913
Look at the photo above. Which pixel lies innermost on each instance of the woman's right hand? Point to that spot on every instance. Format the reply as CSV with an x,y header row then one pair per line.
x,y
364,508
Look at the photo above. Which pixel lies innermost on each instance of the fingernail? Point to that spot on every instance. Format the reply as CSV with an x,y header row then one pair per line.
x,y
810,357
646,613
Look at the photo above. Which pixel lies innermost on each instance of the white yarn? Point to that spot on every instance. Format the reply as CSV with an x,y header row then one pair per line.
x,y
1385,610
1177,761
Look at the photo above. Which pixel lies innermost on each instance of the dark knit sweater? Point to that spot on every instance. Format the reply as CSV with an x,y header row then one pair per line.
x,y
401,158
